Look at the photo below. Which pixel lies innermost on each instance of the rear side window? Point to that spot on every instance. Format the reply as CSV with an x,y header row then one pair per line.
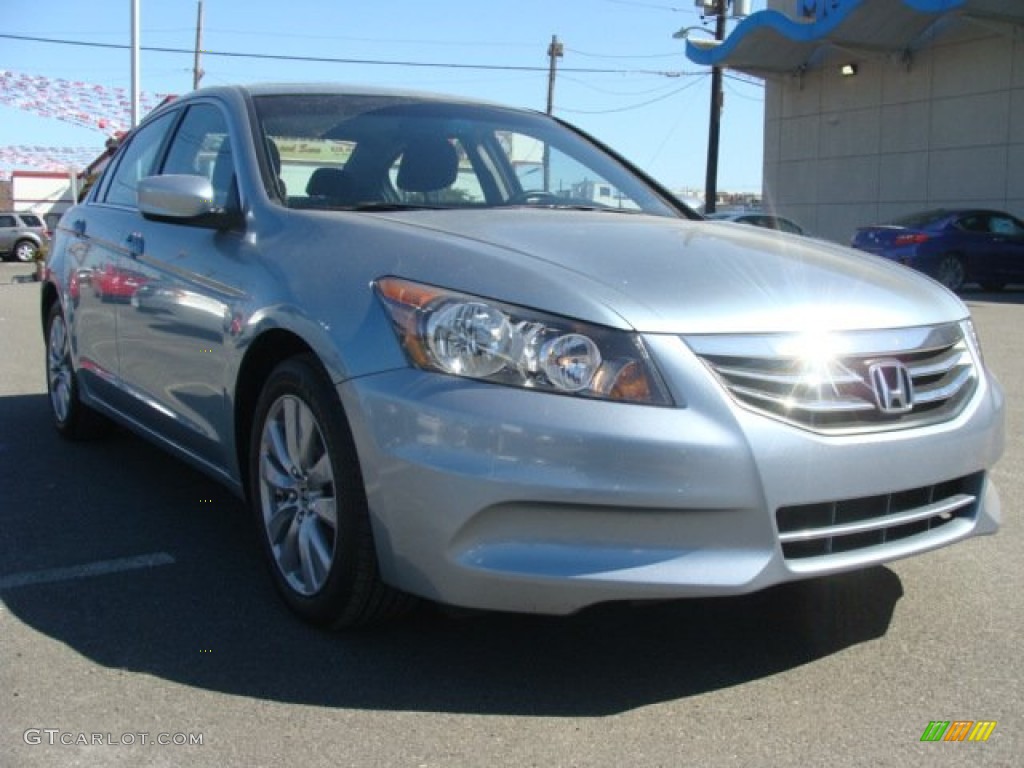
x,y
137,161
974,223
31,220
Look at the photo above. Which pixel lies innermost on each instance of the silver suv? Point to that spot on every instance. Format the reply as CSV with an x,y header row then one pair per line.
x,y
23,235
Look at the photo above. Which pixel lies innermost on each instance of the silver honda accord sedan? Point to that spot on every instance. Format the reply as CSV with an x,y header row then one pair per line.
x,y
453,350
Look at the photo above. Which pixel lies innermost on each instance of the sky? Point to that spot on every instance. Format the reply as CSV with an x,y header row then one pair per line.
x,y
646,99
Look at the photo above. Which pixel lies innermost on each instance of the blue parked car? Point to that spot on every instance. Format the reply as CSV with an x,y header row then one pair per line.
x,y
953,246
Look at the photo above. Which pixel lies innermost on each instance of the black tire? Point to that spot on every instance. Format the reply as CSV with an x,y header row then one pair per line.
x,y
25,251
72,418
305,485
993,285
951,272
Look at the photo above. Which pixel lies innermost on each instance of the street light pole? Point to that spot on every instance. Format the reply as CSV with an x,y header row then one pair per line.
x,y
715,121
197,70
135,62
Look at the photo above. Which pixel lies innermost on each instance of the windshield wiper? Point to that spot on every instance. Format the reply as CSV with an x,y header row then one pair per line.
x,y
574,207
386,206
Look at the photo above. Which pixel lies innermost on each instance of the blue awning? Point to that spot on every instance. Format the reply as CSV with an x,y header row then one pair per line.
x,y
769,42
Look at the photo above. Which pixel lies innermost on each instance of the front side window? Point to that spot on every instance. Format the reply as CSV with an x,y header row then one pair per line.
x,y
137,161
1004,225
201,147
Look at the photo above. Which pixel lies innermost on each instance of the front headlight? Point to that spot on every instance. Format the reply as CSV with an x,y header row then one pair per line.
x,y
463,335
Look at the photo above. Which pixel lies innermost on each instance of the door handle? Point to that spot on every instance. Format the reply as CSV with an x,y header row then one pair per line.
x,y
78,226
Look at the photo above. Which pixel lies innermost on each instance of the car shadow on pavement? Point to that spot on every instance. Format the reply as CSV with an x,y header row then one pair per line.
x,y
211,620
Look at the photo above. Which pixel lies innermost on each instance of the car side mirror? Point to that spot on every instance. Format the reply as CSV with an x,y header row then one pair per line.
x,y
183,199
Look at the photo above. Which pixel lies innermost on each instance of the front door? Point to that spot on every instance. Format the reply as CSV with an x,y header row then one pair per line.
x,y
172,334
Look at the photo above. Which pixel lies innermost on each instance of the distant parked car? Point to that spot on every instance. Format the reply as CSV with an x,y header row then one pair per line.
x,y
22,235
953,246
759,219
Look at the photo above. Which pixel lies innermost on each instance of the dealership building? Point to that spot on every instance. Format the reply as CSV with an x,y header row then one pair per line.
x,y
878,108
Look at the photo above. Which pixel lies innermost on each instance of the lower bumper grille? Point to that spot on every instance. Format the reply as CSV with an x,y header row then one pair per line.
x,y
831,528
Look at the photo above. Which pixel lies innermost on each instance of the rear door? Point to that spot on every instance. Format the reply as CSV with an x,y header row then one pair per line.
x,y
99,236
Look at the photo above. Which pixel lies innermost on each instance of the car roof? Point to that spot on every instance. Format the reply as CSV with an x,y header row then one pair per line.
x,y
342,89
929,218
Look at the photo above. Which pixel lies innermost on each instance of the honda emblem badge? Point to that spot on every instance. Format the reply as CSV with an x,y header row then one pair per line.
x,y
893,387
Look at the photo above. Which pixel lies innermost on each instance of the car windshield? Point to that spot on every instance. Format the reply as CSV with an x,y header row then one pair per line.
x,y
364,152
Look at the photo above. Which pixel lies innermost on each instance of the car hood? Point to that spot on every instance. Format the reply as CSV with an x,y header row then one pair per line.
x,y
665,275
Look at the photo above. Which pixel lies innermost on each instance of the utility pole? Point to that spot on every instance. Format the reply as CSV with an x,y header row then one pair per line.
x,y
717,95
135,61
197,70
555,51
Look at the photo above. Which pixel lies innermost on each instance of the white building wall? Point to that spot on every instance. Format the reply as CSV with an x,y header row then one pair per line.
x,y
944,129
45,194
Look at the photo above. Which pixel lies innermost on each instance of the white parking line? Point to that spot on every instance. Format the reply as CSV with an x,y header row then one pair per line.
x,y
99,568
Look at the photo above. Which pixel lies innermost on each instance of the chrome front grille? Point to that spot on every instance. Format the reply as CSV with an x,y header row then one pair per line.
x,y
846,382
838,527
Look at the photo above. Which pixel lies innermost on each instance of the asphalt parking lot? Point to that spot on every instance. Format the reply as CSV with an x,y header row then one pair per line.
x,y
136,619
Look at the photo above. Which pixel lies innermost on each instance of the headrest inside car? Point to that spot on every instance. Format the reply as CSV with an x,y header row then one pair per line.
x,y
429,163
333,183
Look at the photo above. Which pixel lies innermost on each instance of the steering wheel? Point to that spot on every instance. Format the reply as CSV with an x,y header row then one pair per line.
x,y
535,197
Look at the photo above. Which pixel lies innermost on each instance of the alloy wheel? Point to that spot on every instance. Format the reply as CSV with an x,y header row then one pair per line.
x,y
297,495
951,273
59,369
25,251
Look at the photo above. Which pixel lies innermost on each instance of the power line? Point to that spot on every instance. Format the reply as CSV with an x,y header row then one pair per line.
x,y
631,106
661,88
653,6
736,92
744,80
578,52
380,40
332,60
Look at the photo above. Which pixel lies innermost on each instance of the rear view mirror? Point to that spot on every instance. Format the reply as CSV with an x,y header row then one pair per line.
x,y
176,196
186,199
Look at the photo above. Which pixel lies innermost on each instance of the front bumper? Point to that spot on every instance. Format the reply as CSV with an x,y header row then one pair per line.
x,y
492,497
